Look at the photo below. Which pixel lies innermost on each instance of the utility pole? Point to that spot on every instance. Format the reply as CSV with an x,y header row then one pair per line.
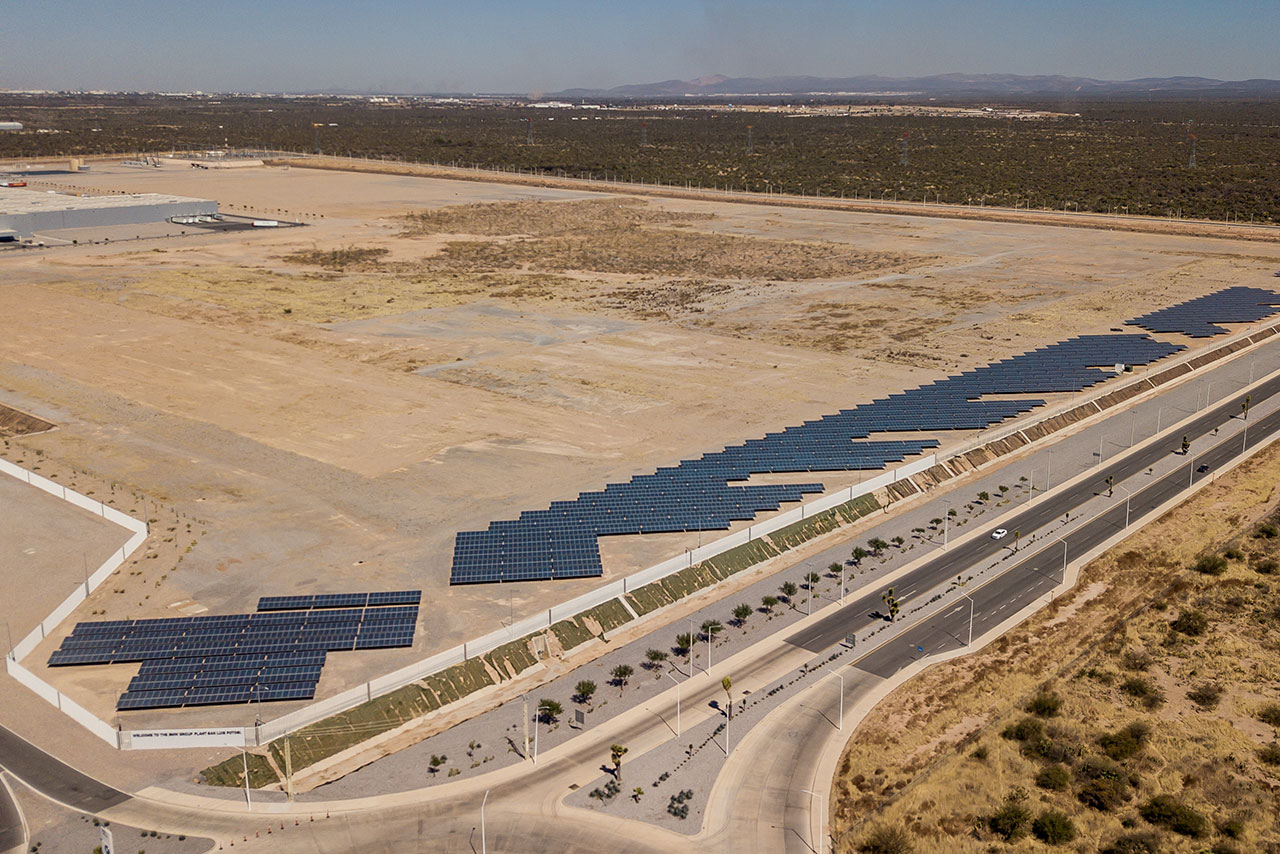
x,y
749,145
644,134
902,158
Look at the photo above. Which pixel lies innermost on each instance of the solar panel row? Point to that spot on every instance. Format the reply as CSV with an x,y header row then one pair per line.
x,y
1199,318
700,494
339,600
276,655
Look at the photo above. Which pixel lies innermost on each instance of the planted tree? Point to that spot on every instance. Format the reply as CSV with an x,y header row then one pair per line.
x,y
583,690
984,496
891,603
768,603
741,613
621,674
711,628
684,644
549,711
616,752
726,683
859,554
789,591
811,579
655,657
877,545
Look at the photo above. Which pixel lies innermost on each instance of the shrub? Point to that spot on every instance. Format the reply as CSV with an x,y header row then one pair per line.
x,y
1045,704
1044,747
1054,827
1104,795
1270,754
1169,812
1266,531
1265,567
1210,565
1126,742
1055,778
1191,623
1136,660
1134,843
1206,696
980,753
1143,689
1010,821
1232,828
1025,729
886,840
1270,714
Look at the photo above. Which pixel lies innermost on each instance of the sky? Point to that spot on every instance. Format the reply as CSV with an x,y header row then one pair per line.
x,y
533,47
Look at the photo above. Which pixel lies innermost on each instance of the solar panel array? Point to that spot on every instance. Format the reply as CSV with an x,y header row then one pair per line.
x,y
237,658
697,495
1198,318
339,600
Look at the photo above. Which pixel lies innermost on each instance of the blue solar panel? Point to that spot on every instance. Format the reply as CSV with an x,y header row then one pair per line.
x,y
1199,318
705,494
277,655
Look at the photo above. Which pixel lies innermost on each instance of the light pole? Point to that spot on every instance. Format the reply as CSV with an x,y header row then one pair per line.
x,y
536,714
970,598
247,799
1048,475
1133,425
484,845
821,828
1100,440
1127,495
1191,475
693,640
946,523
677,681
1063,540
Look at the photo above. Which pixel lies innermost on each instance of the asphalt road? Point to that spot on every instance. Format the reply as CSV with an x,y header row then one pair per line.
x,y
53,778
864,611
11,836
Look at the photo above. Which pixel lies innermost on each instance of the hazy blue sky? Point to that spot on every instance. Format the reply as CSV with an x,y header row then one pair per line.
x,y
487,45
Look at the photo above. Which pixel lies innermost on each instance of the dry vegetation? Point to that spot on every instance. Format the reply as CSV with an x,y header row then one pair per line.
x,y
1138,714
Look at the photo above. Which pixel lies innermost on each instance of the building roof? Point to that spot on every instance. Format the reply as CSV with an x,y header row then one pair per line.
x,y
17,200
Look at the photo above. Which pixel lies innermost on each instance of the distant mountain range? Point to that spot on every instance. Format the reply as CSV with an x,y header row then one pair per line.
x,y
937,85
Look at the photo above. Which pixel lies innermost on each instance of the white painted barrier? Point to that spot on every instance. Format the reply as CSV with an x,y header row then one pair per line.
x,y
81,592
171,739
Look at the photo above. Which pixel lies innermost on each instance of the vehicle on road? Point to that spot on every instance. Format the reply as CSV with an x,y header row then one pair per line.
x,y
1202,469
999,534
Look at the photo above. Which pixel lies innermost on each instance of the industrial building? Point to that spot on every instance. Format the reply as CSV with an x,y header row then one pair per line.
x,y
10,125
25,212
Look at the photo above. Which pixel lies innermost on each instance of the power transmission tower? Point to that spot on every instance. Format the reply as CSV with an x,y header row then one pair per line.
x,y
748,139
528,131
644,134
1191,162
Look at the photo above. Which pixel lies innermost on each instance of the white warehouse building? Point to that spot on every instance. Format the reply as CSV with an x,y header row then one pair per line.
x,y
26,212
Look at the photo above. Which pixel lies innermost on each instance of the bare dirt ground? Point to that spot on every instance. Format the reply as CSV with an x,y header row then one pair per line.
x,y
964,741
333,418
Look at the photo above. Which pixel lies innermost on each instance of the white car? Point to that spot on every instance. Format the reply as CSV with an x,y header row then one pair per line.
x,y
999,534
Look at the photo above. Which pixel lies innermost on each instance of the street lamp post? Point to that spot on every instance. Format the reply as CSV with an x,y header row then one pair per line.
x,y
970,598
677,681
1128,494
484,844
821,846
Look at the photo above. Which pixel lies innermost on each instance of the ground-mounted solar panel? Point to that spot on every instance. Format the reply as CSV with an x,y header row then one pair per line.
x,y
267,656
707,493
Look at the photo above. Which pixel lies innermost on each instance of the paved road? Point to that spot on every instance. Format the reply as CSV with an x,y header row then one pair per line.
x,y
861,613
11,836
53,778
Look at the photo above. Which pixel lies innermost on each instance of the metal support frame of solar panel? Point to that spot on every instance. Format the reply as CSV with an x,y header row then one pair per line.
x,y
533,547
